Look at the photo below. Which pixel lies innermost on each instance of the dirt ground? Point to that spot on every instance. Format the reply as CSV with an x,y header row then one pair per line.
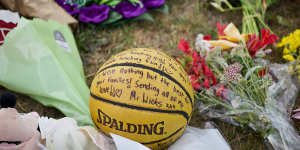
x,y
186,19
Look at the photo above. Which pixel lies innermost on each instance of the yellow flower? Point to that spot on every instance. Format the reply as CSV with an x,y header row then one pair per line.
x,y
286,51
291,43
224,44
289,57
293,40
232,34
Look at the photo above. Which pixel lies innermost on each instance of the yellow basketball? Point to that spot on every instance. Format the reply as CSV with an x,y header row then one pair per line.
x,y
144,95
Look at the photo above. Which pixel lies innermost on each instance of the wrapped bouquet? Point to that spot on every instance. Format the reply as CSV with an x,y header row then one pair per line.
x,y
291,51
253,12
234,83
111,11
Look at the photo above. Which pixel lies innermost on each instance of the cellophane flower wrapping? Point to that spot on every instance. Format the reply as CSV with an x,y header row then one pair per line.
x,y
239,105
233,82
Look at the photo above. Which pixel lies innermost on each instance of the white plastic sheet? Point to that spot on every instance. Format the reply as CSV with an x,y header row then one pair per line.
x,y
64,134
192,139
200,139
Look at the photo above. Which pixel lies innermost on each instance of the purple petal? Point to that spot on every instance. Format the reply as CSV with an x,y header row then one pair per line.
x,y
71,9
94,13
153,3
75,11
128,10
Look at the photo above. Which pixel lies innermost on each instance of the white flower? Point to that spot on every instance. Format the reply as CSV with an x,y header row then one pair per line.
x,y
201,44
263,53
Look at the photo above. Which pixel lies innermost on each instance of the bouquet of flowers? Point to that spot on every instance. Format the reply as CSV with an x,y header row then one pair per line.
x,y
233,82
291,51
111,11
253,13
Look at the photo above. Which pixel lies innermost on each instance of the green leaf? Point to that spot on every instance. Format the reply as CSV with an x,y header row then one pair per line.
x,y
163,9
145,16
136,1
81,3
103,1
113,17
114,3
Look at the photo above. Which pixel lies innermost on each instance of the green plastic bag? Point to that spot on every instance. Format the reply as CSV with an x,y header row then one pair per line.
x,y
40,59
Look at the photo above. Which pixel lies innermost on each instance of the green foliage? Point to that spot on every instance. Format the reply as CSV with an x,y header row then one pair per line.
x,y
112,18
80,3
113,3
145,16
163,9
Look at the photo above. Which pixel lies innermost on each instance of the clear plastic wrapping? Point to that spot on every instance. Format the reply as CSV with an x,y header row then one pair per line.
x,y
272,119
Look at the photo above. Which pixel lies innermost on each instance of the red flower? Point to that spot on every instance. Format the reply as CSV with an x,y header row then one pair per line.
x,y
221,29
208,73
196,58
263,72
213,77
197,68
207,37
267,37
184,46
221,91
206,83
195,81
254,43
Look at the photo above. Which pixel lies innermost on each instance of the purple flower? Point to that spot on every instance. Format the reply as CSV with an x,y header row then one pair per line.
x,y
94,13
128,10
70,8
153,3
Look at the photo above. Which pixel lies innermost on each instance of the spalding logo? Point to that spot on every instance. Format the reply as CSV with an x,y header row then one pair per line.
x,y
146,129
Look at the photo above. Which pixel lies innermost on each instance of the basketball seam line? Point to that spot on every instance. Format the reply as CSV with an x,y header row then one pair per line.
x,y
152,142
184,114
153,69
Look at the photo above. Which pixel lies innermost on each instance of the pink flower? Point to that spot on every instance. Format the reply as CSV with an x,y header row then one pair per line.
x,y
184,46
232,74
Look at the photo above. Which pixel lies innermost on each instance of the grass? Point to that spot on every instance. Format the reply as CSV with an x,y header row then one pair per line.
x,y
187,18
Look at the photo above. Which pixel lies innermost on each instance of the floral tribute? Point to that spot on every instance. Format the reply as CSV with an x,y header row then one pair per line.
x,y
291,53
111,11
233,82
291,44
